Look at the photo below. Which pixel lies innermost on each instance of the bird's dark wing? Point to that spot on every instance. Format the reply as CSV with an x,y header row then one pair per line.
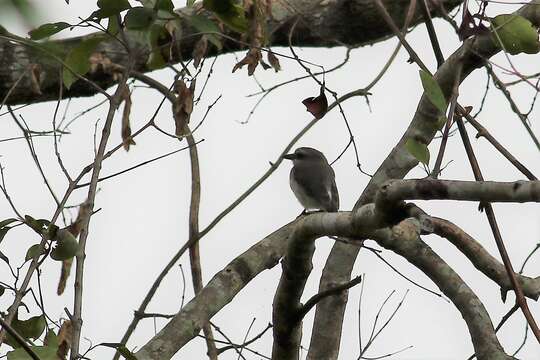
x,y
334,201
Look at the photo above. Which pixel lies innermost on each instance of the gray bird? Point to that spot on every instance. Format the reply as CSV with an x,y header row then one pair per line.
x,y
313,180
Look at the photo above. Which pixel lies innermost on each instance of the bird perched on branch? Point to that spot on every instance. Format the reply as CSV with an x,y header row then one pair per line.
x,y
312,180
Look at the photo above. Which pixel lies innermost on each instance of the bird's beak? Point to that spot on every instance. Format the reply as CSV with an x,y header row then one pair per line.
x,y
289,156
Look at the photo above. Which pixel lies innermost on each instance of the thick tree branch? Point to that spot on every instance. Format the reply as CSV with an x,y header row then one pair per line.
x,y
399,162
394,191
219,291
296,267
404,239
323,24
482,259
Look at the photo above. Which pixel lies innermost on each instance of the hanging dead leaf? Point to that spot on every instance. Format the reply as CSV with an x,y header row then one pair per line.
x,y
317,106
274,61
64,339
251,59
35,77
74,229
183,105
199,51
127,140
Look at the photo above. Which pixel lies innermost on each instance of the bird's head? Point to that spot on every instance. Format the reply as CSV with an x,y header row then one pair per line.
x,y
306,155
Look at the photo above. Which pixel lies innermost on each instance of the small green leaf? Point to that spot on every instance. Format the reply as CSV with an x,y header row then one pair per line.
x,y
33,251
165,5
7,222
155,60
516,34
51,339
441,121
47,30
38,225
207,26
122,349
66,245
108,8
229,12
77,61
139,18
31,328
418,150
219,6
3,232
433,91
4,257
43,352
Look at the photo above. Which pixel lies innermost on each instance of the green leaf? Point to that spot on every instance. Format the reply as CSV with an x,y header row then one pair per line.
x,y
4,257
155,60
77,61
229,12
33,251
3,232
207,26
108,8
165,5
139,18
37,225
66,245
47,30
51,339
31,328
418,150
7,222
433,91
219,6
43,352
516,34
122,349
112,25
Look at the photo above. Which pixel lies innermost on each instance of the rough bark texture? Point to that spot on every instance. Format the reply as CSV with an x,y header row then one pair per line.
x,y
321,24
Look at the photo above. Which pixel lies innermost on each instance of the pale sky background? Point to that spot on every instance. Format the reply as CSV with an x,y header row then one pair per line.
x,y
143,217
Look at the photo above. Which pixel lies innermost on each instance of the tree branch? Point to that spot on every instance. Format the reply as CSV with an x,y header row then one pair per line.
x,y
324,24
482,260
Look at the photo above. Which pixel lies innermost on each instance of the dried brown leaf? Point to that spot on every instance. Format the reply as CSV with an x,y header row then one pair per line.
x,y
35,77
251,59
64,339
183,105
127,140
274,61
199,51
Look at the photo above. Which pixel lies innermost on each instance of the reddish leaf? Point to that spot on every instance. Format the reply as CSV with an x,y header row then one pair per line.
x,y
317,106
468,26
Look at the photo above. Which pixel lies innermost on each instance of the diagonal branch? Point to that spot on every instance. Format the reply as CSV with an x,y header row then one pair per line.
x,y
482,259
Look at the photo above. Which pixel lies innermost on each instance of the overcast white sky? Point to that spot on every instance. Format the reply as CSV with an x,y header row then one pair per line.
x,y
143,217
